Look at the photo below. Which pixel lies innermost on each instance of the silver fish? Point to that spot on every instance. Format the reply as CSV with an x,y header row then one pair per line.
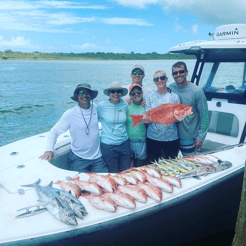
x,y
206,169
54,204
75,204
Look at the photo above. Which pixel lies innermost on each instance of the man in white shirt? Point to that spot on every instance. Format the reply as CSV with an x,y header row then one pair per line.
x,y
137,75
82,122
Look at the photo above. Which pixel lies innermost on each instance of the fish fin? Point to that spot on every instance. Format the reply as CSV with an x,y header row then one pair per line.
x,y
31,206
50,184
32,185
136,119
30,213
196,177
77,178
58,182
90,174
59,202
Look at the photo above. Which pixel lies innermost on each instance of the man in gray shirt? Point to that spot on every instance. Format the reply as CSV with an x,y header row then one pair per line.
x,y
193,129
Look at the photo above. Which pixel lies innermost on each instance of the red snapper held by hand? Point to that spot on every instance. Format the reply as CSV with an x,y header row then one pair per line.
x,y
164,114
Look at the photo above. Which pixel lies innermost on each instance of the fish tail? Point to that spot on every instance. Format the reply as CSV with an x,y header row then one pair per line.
x,y
77,178
32,185
136,119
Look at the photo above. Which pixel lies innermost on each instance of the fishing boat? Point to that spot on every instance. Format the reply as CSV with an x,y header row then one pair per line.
x,y
203,206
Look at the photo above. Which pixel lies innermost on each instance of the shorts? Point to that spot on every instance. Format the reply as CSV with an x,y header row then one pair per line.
x,y
138,149
187,146
81,165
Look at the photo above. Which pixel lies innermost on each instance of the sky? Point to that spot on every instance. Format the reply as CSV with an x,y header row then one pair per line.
x,y
118,26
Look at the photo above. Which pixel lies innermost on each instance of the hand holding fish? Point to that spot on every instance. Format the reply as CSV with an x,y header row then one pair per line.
x,y
146,119
197,144
164,114
48,155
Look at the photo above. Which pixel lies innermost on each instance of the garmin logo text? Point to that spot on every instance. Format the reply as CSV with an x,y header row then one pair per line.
x,y
228,33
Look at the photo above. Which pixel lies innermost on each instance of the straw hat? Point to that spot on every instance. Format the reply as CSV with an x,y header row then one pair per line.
x,y
94,93
115,86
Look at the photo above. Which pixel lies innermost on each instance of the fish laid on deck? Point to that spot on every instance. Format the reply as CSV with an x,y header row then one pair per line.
x,y
75,204
54,204
103,203
164,114
104,181
136,193
139,175
161,183
119,180
129,178
121,199
68,186
206,169
91,187
150,170
151,190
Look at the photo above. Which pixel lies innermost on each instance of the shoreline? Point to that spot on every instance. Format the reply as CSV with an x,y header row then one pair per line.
x,y
14,55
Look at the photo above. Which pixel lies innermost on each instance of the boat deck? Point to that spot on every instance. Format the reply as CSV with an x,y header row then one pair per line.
x,y
43,227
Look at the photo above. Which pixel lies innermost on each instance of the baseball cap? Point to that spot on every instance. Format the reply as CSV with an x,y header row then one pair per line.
x,y
139,67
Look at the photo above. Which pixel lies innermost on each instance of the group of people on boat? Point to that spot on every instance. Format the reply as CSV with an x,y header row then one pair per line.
x,y
121,145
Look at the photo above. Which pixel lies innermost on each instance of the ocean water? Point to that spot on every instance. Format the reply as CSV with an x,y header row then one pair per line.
x,y
34,94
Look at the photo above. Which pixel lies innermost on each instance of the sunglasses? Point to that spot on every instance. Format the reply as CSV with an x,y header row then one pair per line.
x,y
134,93
156,79
84,92
180,71
117,91
137,72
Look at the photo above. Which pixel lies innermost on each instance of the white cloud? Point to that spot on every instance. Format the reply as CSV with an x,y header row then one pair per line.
x,y
126,21
42,16
18,42
88,47
209,11
195,29
64,19
136,3
27,5
215,12
179,28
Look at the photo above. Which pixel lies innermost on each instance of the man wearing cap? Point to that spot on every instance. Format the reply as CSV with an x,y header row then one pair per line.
x,y
137,75
137,134
82,122
193,129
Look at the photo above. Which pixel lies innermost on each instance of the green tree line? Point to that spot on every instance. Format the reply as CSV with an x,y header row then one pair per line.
x,y
15,55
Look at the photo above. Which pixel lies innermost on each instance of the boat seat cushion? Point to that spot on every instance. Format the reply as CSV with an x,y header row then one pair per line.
x,y
223,123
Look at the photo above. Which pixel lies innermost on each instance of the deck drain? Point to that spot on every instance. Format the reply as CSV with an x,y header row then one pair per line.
x,y
14,153
20,166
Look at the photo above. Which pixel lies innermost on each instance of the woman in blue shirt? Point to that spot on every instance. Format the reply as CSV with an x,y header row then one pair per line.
x,y
115,145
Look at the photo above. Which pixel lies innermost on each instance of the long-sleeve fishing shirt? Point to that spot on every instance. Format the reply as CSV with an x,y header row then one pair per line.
x,y
85,141
193,126
113,119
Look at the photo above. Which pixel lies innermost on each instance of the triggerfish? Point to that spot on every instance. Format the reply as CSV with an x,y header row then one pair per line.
x,y
164,114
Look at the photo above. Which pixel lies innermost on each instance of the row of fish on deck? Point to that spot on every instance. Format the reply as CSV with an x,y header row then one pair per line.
x,y
124,189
